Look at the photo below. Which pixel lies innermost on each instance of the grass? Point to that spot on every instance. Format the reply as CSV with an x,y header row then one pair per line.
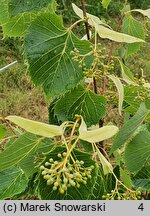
x,y
18,95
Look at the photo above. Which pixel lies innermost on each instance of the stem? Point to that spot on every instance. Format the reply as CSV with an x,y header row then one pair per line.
x,y
85,17
64,140
95,85
69,153
94,79
88,37
113,42
74,24
118,181
7,138
110,55
11,128
72,131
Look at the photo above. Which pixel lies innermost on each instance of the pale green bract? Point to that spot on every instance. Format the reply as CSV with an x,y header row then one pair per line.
x,y
35,127
127,74
99,134
120,89
144,12
103,31
90,17
107,167
83,126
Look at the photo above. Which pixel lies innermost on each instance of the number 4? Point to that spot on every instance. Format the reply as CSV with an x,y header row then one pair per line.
x,y
141,207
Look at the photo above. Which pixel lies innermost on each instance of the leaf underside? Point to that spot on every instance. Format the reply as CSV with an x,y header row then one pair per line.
x,y
20,6
12,182
127,130
82,102
16,15
134,28
137,151
18,150
48,45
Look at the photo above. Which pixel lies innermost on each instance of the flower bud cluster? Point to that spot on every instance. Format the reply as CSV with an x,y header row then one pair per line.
x,y
77,57
62,174
128,195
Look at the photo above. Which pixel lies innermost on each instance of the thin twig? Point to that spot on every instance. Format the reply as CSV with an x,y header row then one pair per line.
x,y
74,24
104,84
110,55
85,17
8,138
88,37
113,42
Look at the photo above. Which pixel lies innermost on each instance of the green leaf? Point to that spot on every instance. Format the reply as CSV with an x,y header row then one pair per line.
x,y
142,183
120,89
35,127
137,152
16,16
52,118
133,96
99,134
94,188
15,26
100,187
105,3
12,182
127,74
126,178
144,12
134,28
18,150
20,6
128,129
48,46
3,131
30,164
85,146
4,15
82,102
142,178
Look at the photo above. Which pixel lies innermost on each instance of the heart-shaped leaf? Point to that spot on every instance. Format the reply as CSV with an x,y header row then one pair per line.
x,y
48,46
